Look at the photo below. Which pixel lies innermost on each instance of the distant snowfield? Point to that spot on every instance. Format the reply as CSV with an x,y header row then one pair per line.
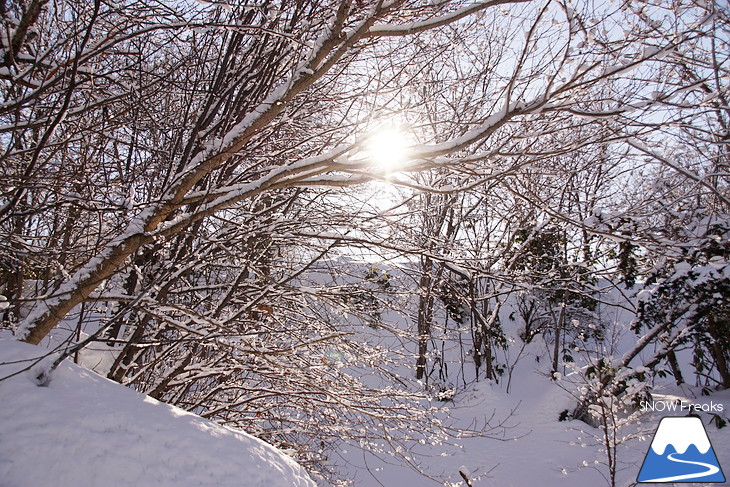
x,y
83,430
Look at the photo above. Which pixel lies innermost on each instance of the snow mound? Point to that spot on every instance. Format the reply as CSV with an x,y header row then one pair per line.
x,y
84,430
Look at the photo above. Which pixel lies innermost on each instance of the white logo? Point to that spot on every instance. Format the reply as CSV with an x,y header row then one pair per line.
x,y
681,452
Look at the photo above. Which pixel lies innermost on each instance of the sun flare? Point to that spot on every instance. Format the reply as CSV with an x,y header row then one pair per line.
x,y
387,148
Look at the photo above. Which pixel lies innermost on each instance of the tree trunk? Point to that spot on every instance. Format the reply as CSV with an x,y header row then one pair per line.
x,y
717,323
674,365
559,325
425,317
488,359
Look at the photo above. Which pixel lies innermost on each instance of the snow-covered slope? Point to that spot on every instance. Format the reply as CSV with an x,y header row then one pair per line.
x,y
84,430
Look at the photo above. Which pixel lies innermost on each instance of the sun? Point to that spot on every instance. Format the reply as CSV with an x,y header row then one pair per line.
x,y
387,148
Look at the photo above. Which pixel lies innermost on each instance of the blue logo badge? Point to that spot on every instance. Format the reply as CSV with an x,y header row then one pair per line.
x,y
681,452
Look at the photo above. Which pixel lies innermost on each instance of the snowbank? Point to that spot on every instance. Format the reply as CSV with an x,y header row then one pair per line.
x,y
84,430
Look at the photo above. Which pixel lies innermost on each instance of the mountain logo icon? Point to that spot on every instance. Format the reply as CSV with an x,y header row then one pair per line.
x,y
681,452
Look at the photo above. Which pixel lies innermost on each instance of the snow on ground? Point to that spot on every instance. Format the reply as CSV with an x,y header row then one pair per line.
x,y
538,450
84,430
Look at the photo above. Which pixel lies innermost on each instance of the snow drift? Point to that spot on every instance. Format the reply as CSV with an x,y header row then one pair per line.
x,y
84,430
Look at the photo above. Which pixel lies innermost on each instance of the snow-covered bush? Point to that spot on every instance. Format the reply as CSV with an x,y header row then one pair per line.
x,y
688,293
